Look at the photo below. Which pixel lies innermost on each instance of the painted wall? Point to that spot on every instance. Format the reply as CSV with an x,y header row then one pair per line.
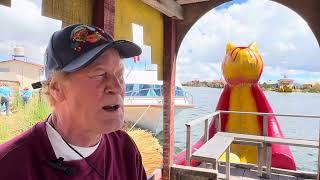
x,y
135,11
21,72
70,11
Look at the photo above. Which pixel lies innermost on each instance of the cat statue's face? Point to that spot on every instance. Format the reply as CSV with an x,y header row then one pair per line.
x,y
242,65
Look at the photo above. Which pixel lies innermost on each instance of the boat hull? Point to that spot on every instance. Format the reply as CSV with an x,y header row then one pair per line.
x,y
148,117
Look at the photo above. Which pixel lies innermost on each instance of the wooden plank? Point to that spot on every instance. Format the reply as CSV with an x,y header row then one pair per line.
x,y
272,140
284,177
298,173
192,171
168,7
213,149
292,142
272,114
235,173
249,143
190,1
242,137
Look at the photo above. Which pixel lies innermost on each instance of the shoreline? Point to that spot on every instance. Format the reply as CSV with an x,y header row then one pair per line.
x,y
264,89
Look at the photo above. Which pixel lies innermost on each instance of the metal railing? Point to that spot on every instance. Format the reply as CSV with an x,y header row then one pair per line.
x,y
206,119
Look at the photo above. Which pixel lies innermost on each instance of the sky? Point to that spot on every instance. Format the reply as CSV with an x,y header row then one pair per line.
x,y
285,41
29,29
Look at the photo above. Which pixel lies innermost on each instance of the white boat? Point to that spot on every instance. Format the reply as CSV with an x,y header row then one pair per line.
x,y
144,99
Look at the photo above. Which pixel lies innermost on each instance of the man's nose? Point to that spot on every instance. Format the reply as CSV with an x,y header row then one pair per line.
x,y
114,86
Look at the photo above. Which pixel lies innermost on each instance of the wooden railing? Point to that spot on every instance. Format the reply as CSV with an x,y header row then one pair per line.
x,y
206,119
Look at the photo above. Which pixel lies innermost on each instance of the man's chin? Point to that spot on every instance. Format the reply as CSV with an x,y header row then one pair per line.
x,y
112,127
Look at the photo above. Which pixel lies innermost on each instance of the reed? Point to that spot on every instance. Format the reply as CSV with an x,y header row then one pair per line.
x,y
23,117
149,147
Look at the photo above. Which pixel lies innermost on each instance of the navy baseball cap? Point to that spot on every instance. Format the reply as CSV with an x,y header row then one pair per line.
x,y
76,46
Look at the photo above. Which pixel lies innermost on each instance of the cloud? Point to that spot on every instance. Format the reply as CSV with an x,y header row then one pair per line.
x,y
284,39
282,46
29,30
300,76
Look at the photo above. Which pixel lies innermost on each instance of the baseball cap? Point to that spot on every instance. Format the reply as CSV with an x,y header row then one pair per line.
x,y
77,46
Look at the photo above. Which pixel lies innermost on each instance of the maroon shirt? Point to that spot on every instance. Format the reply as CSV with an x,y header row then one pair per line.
x,y
27,155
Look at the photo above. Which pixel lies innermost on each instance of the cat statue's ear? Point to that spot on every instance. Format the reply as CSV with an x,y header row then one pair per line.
x,y
229,47
253,47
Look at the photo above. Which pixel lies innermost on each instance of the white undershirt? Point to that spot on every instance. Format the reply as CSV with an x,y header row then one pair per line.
x,y
61,149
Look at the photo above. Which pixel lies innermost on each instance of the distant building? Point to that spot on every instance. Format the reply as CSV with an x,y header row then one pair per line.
x,y
308,85
19,74
218,83
285,84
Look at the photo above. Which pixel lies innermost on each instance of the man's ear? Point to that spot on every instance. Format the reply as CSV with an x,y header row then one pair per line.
x,y
56,90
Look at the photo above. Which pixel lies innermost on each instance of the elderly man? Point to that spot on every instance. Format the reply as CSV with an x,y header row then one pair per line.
x,y
81,139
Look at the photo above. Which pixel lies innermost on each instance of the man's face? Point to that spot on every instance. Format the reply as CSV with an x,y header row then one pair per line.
x,y
94,95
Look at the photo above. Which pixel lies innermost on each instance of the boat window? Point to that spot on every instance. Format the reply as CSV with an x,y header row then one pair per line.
x,y
129,89
151,92
179,91
157,90
156,86
143,89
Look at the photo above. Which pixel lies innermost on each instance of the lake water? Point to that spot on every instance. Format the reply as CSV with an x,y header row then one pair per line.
x,y
205,101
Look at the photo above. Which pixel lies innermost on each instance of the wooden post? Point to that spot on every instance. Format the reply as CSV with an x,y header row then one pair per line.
x,y
260,159
265,125
169,73
206,125
218,123
103,15
268,161
318,175
228,164
265,133
188,146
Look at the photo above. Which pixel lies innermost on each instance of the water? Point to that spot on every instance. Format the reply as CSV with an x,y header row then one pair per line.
x,y
206,99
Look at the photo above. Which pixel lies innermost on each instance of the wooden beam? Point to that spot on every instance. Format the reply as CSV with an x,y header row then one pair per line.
x,y
169,75
190,1
103,15
168,7
5,3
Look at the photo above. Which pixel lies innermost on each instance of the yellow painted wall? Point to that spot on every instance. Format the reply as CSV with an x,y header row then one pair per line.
x,y
5,3
135,11
69,11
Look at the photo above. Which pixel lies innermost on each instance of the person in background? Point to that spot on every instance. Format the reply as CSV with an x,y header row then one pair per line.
x,y
2,103
82,138
25,94
5,93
